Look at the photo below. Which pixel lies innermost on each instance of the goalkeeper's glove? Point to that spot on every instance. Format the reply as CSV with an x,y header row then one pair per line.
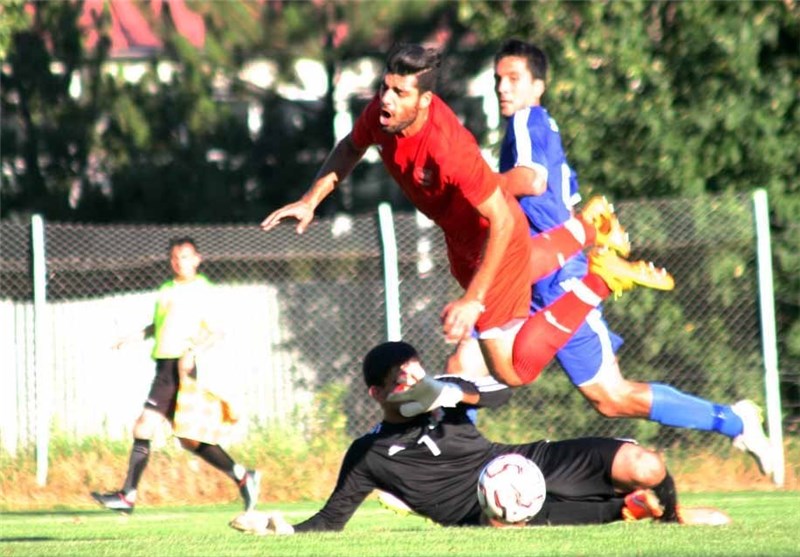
x,y
425,395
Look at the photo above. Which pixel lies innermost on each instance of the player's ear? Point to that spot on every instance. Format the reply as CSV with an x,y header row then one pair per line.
x,y
375,393
425,99
539,87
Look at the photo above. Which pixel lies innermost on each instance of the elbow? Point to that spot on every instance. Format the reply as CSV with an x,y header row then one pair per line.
x,y
538,185
539,189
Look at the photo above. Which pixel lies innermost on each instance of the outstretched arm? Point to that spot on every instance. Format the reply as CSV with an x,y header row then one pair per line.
x,y
459,316
426,393
142,334
521,181
337,167
353,485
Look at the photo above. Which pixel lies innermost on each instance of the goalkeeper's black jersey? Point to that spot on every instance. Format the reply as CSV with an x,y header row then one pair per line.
x,y
432,463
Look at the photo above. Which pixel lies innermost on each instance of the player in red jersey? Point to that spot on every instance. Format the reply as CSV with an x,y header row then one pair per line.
x,y
438,165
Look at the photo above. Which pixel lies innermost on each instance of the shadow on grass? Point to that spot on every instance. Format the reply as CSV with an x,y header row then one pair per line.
x,y
56,512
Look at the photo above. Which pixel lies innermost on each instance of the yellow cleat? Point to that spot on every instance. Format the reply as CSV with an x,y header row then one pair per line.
x,y
621,275
393,503
609,232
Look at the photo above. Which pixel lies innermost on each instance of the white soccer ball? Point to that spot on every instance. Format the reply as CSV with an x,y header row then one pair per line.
x,y
511,489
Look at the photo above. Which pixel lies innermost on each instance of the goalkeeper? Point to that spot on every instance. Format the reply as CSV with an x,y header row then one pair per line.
x,y
428,453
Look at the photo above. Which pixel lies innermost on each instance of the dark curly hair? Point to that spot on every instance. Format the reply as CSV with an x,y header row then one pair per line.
x,y
414,59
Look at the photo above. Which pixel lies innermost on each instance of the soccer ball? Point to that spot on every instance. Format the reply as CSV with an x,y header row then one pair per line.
x,y
511,489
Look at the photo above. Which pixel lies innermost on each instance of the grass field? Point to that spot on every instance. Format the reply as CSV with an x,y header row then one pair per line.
x,y
763,524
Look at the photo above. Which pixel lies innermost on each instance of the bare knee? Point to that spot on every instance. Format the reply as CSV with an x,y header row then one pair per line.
x,y
147,423
608,401
636,467
143,429
497,356
622,399
467,360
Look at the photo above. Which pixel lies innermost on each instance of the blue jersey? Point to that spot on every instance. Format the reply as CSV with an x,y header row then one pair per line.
x,y
532,140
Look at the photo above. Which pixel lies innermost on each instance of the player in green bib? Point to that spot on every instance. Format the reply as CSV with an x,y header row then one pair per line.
x,y
182,325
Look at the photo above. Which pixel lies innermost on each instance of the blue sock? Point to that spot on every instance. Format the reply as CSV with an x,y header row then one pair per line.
x,y
673,408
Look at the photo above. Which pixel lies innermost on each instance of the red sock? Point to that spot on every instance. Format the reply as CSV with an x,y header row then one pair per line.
x,y
552,248
545,332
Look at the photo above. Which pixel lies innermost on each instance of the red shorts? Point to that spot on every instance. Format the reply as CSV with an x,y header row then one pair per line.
x,y
509,297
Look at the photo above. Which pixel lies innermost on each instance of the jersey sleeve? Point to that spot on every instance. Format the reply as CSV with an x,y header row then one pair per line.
x,y
366,125
493,393
352,487
528,142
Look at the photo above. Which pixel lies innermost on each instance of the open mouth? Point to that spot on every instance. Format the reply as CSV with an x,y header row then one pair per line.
x,y
385,117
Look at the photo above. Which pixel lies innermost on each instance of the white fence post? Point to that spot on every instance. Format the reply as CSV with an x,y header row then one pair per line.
x,y
391,276
769,347
42,349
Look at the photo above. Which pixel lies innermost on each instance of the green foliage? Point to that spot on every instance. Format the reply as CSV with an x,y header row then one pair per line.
x,y
666,98
669,98
12,20
660,99
654,99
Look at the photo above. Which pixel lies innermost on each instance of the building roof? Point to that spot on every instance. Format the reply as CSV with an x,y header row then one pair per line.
x,y
133,28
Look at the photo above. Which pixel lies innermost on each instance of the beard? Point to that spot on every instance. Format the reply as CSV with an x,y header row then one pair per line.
x,y
394,127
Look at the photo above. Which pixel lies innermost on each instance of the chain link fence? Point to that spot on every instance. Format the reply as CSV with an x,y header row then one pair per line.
x,y
299,313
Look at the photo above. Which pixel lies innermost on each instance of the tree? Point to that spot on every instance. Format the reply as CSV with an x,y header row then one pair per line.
x,y
46,131
672,99
177,149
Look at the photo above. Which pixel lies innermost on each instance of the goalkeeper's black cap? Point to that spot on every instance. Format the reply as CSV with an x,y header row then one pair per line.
x,y
383,358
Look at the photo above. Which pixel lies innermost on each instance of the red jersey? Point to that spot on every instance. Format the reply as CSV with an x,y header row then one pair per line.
x,y
442,172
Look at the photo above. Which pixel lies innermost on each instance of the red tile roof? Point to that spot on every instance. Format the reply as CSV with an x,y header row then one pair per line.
x,y
132,28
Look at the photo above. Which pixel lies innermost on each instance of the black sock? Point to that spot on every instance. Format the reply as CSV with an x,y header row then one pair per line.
x,y
140,454
668,496
216,457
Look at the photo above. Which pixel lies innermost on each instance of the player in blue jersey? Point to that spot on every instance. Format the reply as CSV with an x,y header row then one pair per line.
x,y
533,161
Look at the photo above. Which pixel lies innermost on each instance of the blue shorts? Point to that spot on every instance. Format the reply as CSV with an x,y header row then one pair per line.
x,y
594,345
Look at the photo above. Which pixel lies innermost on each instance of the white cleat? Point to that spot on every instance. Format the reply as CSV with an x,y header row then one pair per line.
x,y
752,439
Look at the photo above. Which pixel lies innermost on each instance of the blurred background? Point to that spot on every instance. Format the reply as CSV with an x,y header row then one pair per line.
x,y
125,123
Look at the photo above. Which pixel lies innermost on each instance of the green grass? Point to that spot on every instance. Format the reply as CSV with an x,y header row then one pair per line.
x,y
763,524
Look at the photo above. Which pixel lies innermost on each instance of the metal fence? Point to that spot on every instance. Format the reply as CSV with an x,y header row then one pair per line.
x,y
299,312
